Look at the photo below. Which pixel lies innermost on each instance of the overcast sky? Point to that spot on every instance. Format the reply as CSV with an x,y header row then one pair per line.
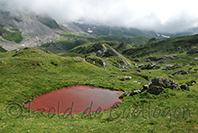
x,y
158,15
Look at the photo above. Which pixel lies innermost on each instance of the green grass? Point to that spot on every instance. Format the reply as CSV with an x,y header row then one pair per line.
x,y
70,40
2,49
166,46
28,73
13,36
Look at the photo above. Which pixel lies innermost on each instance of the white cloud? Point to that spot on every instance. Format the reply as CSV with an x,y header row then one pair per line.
x,y
165,16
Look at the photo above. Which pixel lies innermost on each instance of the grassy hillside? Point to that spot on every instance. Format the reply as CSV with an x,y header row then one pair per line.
x,y
166,46
14,35
30,72
70,41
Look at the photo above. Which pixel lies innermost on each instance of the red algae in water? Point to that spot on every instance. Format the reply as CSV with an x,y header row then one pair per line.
x,y
75,98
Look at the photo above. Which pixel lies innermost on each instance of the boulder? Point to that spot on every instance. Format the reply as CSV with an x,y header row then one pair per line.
x,y
137,60
180,72
196,59
192,64
185,87
111,51
148,66
164,82
155,89
127,77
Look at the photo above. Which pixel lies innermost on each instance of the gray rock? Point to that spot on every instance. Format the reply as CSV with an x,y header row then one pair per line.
x,y
137,60
170,67
112,52
192,64
196,58
185,87
136,92
155,89
145,87
124,70
180,72
127,77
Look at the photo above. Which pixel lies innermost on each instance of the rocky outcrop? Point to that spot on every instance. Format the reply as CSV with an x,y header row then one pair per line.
x,y
148,66
157,58
157,85
123,64
170,67
101,51
96,61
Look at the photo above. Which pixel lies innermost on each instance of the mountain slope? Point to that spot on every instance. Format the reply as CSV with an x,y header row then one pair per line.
x,y
165,46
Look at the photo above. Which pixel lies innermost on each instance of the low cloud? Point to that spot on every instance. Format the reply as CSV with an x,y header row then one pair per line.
x,y
167,16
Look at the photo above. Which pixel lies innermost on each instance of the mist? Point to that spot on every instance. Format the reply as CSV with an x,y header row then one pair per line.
x,y
167,16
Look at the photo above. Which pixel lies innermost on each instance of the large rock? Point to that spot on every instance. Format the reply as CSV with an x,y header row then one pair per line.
x,y
155,89
123,63
158,84
101,51
180,72
148,66
192,50
185,87
137,60
111,51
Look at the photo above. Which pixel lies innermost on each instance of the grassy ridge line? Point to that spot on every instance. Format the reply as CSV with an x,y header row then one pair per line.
x,y
165,46
72,40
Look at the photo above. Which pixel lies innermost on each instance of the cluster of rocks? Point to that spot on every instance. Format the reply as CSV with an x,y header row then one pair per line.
x,y
96,61
170,67
149,66
156,86
157,58
101,51
123,64
108,52
180,72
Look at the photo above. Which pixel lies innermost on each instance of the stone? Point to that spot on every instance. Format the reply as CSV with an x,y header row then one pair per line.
x,y
137,60
196,59
185,87
136,92
180,72
170,67
155,89
124,70
145,87
127,77
192,64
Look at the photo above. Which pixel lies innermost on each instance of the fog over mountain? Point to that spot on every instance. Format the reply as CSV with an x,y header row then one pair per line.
x,y
161,16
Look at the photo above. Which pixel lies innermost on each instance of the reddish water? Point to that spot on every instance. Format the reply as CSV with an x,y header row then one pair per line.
x,y
77,99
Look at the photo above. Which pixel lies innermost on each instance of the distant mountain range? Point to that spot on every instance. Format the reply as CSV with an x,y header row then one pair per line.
x,y
30,29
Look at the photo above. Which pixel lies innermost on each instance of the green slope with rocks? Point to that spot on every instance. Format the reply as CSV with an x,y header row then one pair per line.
x,y
160,91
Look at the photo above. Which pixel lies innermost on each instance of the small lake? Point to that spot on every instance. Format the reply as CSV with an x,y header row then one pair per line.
x,y
76,99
